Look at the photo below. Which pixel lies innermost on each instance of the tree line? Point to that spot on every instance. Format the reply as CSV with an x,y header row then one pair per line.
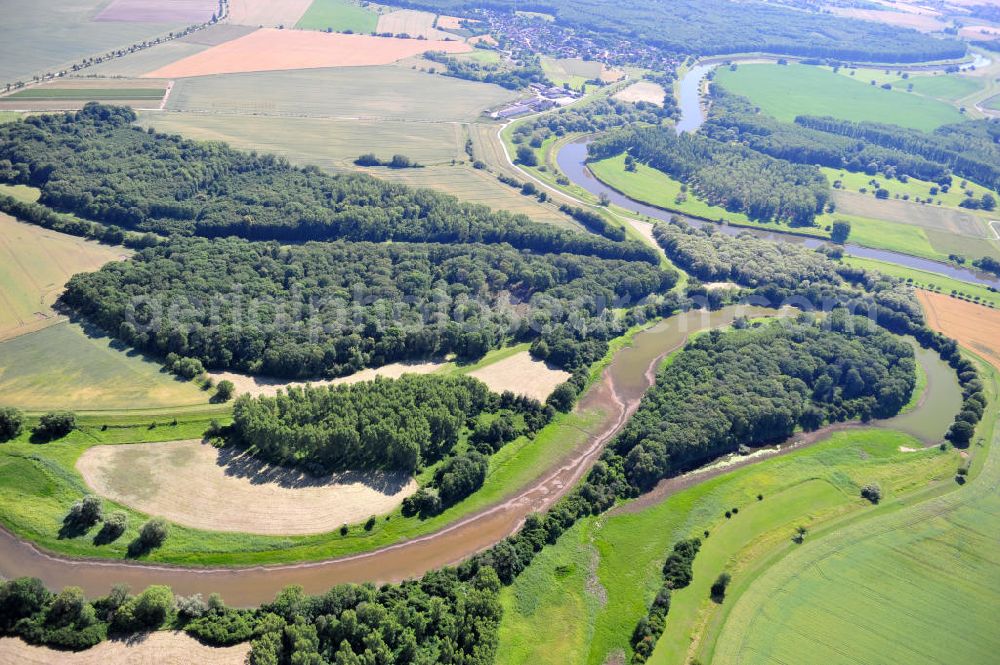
x,y
329,309
731,176
96,164
436,619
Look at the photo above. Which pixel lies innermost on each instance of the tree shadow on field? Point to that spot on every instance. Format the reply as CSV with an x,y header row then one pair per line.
x,y
238,463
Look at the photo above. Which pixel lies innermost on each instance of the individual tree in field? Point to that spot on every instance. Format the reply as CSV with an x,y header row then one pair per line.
x,y
224,391
719,587
152,534
840,231
11,422
55,425
526,156
872,492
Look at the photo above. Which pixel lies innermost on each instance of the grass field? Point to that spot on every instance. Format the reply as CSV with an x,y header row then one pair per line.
x,y
787,91
61,367
88,94
35,264
383,92
581,599
947,87
919,584
574,71
338,15
929,280
853,181
9,116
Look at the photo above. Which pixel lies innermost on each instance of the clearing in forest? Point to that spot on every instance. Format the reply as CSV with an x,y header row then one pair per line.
x,y
787,91
643,91
973,326
521,374
258,385
199,486
269,49
162,647
35,264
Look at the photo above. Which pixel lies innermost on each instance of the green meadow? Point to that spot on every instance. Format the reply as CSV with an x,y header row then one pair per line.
x,y
787,91
339,16
919,584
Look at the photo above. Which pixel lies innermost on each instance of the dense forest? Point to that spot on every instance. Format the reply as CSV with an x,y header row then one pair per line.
x,y
732,176
328,309
970,149
710,27
436,619
597,116
733,118
754,386
96,164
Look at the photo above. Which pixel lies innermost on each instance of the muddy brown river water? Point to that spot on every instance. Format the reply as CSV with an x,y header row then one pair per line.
x,y
615,397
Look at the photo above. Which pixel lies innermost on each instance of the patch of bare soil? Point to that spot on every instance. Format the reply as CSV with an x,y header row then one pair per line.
x,y
523,375
261,385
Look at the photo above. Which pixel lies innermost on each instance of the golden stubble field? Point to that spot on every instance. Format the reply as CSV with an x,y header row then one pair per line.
x,y
160,648
270,49
196,485
974,326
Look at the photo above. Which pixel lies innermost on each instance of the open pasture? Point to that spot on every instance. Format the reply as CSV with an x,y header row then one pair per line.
x,y
71,94
62,367
523,375
947,87
196,485
974,326
413,23
159,11
588,604
384,93
642,91
269,49
918,584
267,13
325,142
161,648
787,91
35,264
47,35
574,71
339,16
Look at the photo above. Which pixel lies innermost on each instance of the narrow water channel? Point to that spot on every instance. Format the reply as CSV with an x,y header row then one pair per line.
x,y
615,397
572,161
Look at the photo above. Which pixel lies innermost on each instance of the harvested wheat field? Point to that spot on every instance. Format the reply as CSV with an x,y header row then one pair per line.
x,y
269,49
196,485
643,91
35,264
920,22
267,13
521,374
159,11
450,22
974,326
413,23
160,648
259,385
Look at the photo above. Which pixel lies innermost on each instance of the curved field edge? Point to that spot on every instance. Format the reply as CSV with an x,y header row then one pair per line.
x,y
589,607
39,483
929,567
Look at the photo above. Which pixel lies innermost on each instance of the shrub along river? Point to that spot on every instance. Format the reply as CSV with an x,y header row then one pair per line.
x,y
615,397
